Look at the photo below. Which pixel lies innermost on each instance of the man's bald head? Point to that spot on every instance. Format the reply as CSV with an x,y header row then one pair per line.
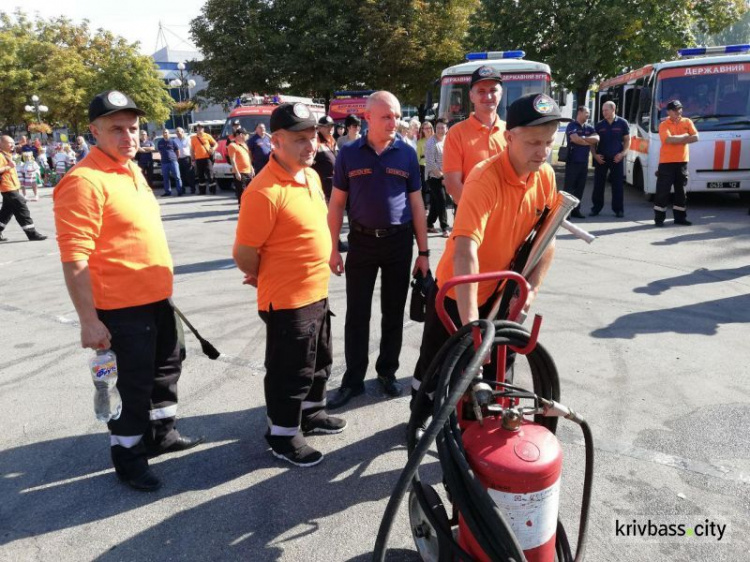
x,y
7,143
382,112
381,96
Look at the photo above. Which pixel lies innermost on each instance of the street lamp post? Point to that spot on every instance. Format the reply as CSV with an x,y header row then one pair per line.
x,y
36,108
182,82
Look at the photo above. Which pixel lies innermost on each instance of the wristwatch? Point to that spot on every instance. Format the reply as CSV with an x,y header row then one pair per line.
x,y
425,254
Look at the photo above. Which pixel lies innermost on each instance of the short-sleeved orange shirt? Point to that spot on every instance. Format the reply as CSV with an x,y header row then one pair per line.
x,y
497,211
8,180
287,222
469,142
675,152
240,155
107,215
200,145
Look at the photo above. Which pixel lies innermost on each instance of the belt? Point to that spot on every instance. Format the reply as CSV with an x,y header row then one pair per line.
x,y
381,232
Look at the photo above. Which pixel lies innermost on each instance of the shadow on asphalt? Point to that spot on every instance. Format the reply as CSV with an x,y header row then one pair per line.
x,y
198,215
203,266
715,234
701,276
65,483
702,318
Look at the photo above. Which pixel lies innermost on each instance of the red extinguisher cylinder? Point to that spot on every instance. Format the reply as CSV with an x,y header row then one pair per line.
x,y
521,469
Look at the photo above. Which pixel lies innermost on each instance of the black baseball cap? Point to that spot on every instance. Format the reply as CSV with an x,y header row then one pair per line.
x,y
532,110
326,121
486,73
236,122
112,101
292,117
674,104
241,131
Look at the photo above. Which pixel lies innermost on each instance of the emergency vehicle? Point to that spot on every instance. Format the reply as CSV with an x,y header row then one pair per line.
x,y
252,111
713,84
349,102
520,77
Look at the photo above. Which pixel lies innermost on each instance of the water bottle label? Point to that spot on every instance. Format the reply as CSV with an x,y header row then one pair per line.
x,y
105,369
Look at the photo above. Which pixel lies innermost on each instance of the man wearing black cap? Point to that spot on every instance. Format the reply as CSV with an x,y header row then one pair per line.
x,y
325,157
282,246
502,201
676,132
118,271
478,137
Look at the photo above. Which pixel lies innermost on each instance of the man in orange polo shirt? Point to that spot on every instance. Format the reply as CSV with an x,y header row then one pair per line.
x,y
676,133
239,155
118,271
478,137
282,246
203,145
14,204
503,199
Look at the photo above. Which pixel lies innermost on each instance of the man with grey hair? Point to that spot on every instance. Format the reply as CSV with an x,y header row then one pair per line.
x,y
609,159
185,161
14,204
379,176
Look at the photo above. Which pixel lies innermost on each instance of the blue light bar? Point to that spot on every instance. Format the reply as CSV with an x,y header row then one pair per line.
x,y
718,50
493,55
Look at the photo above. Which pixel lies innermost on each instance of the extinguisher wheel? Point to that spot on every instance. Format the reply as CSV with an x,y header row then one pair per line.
x,y
431,545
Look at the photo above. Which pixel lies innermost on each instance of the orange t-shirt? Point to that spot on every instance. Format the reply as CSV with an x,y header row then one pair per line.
x,y
287,222
200,145
675,152
497,207
8,180
107,215
469,142
240,155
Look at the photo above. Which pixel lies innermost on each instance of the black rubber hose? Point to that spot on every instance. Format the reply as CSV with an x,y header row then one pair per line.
x,y
459,340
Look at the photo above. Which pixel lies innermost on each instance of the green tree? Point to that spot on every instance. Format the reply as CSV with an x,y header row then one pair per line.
x,y
584,40
66,65
315,48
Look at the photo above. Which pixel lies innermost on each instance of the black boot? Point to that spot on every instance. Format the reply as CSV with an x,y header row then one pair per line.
x,y
131,466
680,217
34,236
2,238
659,217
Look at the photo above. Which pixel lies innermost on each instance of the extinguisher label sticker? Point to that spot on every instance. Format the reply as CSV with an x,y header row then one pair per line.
x,y
533,516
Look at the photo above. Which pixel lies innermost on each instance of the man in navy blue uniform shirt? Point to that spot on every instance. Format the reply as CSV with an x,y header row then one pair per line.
x,y
581,137
379,175
260,148
609,157
145,157
170,152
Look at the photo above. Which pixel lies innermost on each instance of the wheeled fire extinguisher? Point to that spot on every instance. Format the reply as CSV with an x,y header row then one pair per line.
x,y
496,442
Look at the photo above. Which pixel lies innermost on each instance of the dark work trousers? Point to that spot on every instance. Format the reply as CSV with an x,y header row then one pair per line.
x,y
437,203
327,184
298,363
668,175
426,194
148,172
435,335
205,172
616,176
144,339
186,172
575,180
14,205
240,185
368,254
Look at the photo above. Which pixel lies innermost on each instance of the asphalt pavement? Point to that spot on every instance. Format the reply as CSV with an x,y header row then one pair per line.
x,y
648,328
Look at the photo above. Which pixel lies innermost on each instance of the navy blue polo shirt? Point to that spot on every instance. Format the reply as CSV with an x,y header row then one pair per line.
x,y
378,186
145,158
168,149
610,136
578,152
260,150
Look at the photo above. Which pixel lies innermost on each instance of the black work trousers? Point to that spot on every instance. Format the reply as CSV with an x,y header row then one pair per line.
x,y
367,255
205,172
575,180
437,203
669,175
240,185
298,364
14,205
148,172
616,173
149,363
187,173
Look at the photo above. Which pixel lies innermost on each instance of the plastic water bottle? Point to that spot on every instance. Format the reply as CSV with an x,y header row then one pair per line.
x,y
107,401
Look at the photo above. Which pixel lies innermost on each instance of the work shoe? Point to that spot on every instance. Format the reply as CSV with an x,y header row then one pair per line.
x,y
323,423
132,468
3,238
34,235
619,214
594,213
446,233
659,217
576,214
680,217
182,443
390,386
432,230
343,395
294,450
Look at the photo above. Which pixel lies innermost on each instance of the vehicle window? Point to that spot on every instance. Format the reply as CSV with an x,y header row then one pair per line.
x,y
248,122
